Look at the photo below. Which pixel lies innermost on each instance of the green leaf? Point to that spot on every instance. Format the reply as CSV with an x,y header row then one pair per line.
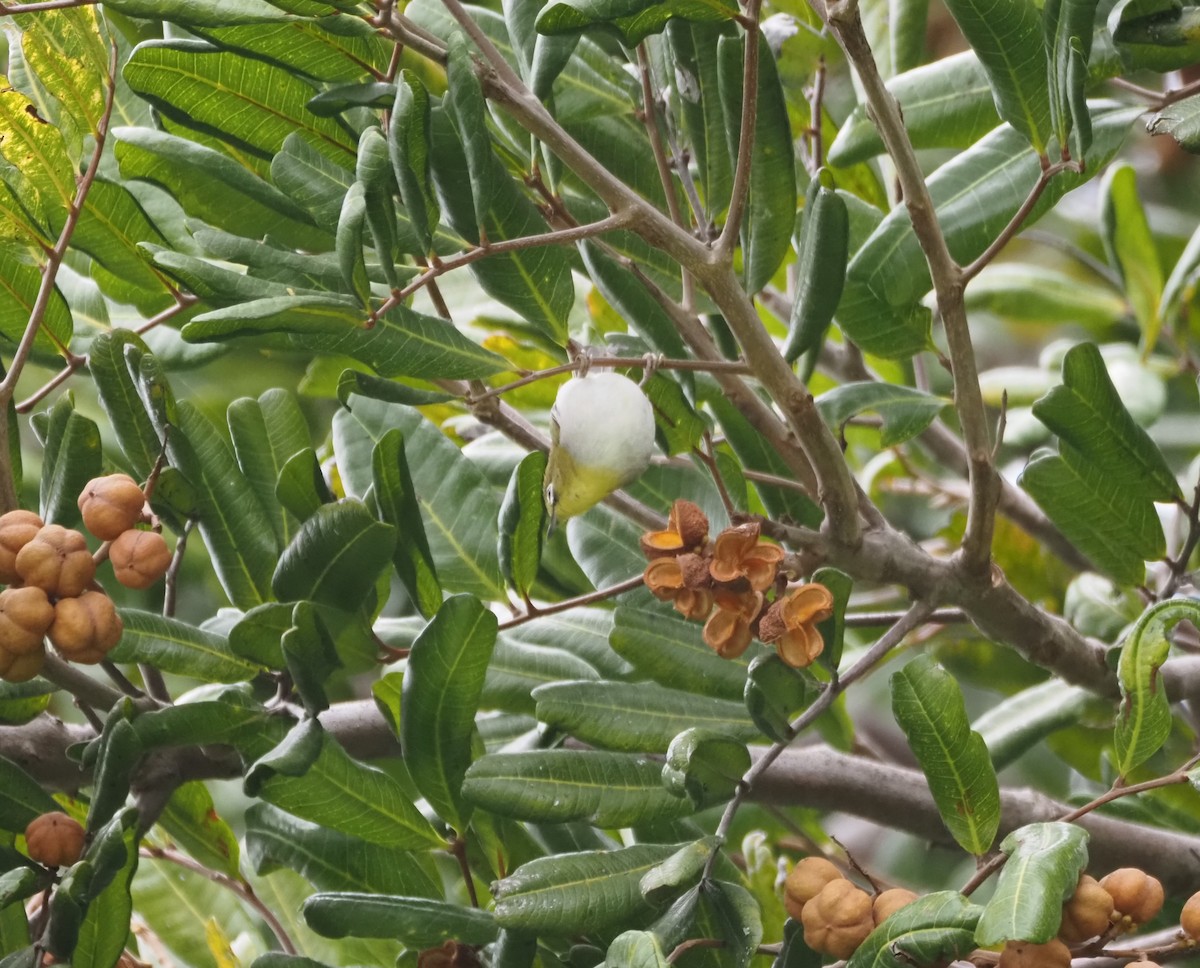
x,y
727,912
1130,248
442,684
635,716
1018,723
1044,864
36,148
935,928
663,646
349,240
1181,121
580,892
457,503
399,507
21,797
1180,287
1007,37
335,557
70,458
1144,719
929,708
203,721
21,702
326,48
522,523
334,861
632,20
19,285
468,111
117,753
249,103
302,488
293,756
833,629
517,669
409,137
704,766
105,929
1087,412
1064,23
563,786
1159,37
174,646
1115,526
213,13
775,693
635,949
533,282
310,657
906,412
946,104
1031,293
822,255
770,215
414,921
402,342
63,48
192,822
211,186
976,195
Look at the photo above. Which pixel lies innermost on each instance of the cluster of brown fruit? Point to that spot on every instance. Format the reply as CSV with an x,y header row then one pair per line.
x,y
724,583
836,914
50,575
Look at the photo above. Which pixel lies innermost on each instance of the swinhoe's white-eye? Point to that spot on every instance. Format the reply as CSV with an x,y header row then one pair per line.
x,y
601,438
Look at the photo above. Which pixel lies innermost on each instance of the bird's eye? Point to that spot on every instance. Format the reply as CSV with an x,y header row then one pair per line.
x,y
551,496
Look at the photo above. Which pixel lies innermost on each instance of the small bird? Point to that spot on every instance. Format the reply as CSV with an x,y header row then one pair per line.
x,y
601,438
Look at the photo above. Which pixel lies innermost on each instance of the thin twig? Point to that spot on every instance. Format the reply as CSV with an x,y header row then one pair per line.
x,y
458,848
815,114
120,679
939,616
745,148
9,9
597,596
172,580
239,887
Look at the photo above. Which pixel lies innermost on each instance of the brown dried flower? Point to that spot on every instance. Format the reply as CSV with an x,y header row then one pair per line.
x,y
738,553
727,632
683,581
687,530
791,624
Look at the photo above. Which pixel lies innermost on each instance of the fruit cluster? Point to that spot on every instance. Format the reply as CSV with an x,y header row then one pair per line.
x,y
725,583
837,915
50,574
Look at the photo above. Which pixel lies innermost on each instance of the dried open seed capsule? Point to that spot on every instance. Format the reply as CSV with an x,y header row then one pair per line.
x,y
25,614
86,628
139,558
111,505
17,529
57,561
54,839
838,919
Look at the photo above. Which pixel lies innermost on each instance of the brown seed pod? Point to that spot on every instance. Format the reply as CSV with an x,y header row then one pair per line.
x,y
838,919
889,902
805,880
25,667
111,505
1087,912
86,628
1137,897
25,614
17,529
139,558
57,561
1189,917
1026,954
689,522
54,839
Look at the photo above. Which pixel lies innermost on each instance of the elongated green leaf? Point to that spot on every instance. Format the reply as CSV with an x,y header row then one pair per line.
x,y
1044,864
663,646
946,104
934,928
635,716
633,20
334,861
1067,22
343,794
906,412
204,721
1027,292
408,142
267,263
19,285
822,255
775,693
105,929
704,766
178,647
415,921
70,458
1087,412
65,50
635,949
517,669
522,523
214,13
235,527
534,282
457,503
399,507
211,186
1144,719
1016,725
349,241
1180,287
929,708
127,415
192,821
771,210
266,433
693,47
1161,37
442,685
1130,248
561,786
336,556
36,149
1007,37
976,195
584,633
577,892
1116,527
250,103
468,112
1182,122
402,342
21,797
